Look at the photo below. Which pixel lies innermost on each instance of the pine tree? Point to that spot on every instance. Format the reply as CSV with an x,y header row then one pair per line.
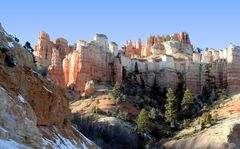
x,y
171,107
142,120
116,91
153,114
186,104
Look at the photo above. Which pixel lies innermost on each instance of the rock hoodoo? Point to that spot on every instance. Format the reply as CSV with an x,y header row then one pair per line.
x,y
74,66
164,60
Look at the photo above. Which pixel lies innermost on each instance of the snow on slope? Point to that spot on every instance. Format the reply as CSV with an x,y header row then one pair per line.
x,y
10,144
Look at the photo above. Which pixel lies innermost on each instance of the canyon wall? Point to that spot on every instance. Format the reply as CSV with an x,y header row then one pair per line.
x,y
165,61
176,62
73,66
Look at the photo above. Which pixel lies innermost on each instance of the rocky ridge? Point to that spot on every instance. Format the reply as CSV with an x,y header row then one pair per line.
x,y
34,111
169,61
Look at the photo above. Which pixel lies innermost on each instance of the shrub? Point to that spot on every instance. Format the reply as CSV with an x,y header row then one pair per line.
x,y
186,123
222,94
206,119
123,115
118,100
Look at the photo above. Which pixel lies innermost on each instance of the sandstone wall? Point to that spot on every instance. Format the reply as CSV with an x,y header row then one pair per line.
x,y
233,68
43,49
154,45
74,66
162,58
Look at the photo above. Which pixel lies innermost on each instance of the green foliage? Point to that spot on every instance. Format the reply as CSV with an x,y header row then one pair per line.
x,y
140,101
186,123
187,104
206,119
171,107
222,94
153,114
143,121
123,115
116,91
118,100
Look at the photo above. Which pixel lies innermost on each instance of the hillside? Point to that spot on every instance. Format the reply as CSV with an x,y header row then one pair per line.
x,y
34,111
161,94
223,134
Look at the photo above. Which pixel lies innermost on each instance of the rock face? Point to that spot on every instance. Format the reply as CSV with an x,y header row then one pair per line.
x,y
74,66
13,51
164,61
154,45
34,112
175,62
43,50
89,88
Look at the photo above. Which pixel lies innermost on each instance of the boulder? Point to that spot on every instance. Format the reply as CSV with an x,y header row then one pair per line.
x,y
89,88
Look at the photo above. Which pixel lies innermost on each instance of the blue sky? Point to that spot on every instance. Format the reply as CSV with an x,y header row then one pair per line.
x,y
210,23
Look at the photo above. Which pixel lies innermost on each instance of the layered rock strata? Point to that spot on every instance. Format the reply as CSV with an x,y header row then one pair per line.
x,y
74,66
165,61
34,111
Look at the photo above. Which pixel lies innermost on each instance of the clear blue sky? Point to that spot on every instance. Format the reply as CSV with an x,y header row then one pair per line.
x,y
210,23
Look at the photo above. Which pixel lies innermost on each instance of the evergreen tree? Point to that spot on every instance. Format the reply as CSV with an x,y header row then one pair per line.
x,y
116,91
171,107
153,114
142,121
186,104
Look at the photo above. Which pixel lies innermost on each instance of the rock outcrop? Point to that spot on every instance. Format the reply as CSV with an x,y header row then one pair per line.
x,y
164,61
89,88
168,61
154,45
34,111
74,66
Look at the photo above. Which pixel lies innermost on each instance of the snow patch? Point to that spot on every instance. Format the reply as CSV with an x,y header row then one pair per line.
x,y
20,97
86,139
59,142
47,89
2,88
84,146
3,130
10,144
10,45
89,141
